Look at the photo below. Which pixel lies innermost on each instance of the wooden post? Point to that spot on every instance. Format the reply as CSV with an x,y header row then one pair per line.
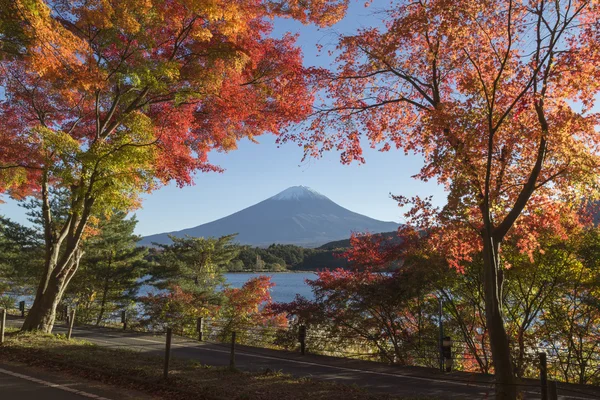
x,y
167,353
64,314
71,323
543,375
200,328
302,338
124,319
2,324
441,326
447,350
232,356
552,391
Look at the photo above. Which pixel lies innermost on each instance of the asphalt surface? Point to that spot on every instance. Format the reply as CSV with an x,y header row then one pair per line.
x,y
17,388
21,382
377,377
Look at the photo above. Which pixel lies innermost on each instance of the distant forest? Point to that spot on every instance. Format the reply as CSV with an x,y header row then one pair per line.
x,y
274,258
289,257
286,257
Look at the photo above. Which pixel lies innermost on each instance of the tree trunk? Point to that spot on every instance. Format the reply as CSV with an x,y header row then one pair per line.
x,y
103,303
52,286
521,357
505,379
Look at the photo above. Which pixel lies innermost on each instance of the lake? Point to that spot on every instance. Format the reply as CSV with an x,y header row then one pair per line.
x,y
287,285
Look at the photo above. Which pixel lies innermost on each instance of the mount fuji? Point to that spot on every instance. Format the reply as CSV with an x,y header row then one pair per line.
x,y
299,215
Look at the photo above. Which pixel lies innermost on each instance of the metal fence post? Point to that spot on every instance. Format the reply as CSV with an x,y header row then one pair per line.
x,y
2,324
302,338
71,323
167,353
232,356
543,375
200,328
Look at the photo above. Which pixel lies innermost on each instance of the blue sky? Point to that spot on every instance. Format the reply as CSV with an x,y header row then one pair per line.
x,y
256,172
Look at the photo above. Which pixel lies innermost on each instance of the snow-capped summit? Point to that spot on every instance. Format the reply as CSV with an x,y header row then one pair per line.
x,y
298,193
298,215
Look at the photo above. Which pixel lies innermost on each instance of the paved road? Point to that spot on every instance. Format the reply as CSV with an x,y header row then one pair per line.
x,y
409,381
21,382
375,376
12,387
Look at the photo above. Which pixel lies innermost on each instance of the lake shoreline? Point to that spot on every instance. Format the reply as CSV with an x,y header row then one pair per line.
x,y
288,284
272,272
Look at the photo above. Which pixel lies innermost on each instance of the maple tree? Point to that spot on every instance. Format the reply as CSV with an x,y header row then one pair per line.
x,y
463,300
174,308
370,313
111,99
571,320
497,98
386,306
246,310
533,284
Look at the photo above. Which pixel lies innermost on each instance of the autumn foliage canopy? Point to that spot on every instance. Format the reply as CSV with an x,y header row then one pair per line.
x,y
497,97
129,95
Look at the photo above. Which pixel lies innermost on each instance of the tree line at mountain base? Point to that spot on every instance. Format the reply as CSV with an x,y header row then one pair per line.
x,y
287,257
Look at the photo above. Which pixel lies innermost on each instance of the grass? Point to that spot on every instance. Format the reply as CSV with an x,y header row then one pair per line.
x,y
187,379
